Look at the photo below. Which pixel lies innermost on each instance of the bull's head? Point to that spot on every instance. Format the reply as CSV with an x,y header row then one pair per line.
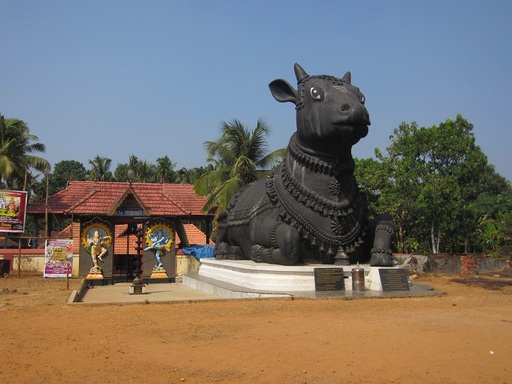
x,y
331,116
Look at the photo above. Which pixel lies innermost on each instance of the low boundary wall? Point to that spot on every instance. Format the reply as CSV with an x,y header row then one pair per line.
x,y
471,264
32,260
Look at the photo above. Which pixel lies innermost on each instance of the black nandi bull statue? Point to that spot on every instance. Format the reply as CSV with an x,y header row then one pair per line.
x,y
309,208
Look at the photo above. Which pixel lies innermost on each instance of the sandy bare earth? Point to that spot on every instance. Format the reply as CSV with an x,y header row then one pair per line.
x,y
464,336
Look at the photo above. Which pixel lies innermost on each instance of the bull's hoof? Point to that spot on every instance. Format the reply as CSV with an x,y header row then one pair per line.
x,y
225,252
279,258
381,258
261,254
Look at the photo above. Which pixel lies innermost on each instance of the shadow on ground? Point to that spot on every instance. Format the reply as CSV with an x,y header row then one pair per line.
x,y
494,282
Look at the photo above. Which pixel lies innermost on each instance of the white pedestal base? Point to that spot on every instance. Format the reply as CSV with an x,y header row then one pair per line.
x,y
262,277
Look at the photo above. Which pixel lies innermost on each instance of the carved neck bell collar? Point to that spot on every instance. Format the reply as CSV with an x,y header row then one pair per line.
x,y
340,166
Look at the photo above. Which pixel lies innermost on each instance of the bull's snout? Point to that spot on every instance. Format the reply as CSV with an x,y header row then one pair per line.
x,y
354,114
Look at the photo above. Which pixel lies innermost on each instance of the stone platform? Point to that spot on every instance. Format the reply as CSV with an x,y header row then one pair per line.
x,y
247,279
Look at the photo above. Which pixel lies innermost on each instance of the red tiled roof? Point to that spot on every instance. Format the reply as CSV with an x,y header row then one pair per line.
x,y
102,198
194,235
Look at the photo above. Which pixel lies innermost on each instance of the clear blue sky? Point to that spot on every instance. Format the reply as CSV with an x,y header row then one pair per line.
x,y
155,78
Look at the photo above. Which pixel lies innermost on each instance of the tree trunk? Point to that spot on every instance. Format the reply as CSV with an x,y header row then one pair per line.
x,y
433,238
438,245
436,241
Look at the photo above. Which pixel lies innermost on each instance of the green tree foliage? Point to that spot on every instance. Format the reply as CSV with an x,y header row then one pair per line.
x,y
371,176
239,157
143,171
165,169
18,164
191,175
121,171
494,213
439,188
63,172
147,172
100,169
68,170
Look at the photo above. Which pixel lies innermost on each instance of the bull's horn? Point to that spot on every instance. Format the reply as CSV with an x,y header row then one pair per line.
x,y
300,73
347,78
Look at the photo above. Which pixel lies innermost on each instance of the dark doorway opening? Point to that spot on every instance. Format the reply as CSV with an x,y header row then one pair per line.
x,y
124,253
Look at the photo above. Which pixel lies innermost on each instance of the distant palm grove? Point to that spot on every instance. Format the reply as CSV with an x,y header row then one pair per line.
x,y
435,181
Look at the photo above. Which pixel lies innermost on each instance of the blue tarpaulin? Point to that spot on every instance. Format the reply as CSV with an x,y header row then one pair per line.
x,y
199,250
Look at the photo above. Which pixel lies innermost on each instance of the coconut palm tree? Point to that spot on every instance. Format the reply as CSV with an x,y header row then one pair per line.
x,y
165,169
146,172
239,157
191,175
100,168
16,147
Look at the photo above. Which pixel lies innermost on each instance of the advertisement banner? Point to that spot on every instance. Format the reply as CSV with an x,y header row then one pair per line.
x,y
13,206
58,257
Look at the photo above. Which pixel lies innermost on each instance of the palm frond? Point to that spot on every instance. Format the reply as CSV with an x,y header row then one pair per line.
x,y
239,156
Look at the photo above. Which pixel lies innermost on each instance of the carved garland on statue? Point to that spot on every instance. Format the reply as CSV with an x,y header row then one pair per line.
x,y
344,165
346,215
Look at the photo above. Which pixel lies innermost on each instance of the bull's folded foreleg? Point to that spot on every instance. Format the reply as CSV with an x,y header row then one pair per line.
x,y
279,246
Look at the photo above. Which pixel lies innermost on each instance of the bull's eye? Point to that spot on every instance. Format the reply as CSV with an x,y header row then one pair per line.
x,y
316,93
362,99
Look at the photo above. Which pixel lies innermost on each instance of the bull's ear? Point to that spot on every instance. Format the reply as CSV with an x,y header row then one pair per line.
x,y
283,91
347,78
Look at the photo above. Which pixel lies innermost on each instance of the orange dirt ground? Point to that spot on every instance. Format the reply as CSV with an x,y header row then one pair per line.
x,y
464,336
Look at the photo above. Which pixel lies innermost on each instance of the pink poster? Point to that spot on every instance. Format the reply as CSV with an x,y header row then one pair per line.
x,y
58,257
13,206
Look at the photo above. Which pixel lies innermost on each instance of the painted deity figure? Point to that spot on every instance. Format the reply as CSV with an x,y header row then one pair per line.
x,y
97,247
159,242
11,207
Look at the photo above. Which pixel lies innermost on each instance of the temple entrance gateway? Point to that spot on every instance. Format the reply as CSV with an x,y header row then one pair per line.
x,y
113,216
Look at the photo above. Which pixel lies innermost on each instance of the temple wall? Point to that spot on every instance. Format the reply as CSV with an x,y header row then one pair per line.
x,y
32,260
186,264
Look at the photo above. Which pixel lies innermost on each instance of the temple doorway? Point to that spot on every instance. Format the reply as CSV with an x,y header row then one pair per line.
x,y
124,252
